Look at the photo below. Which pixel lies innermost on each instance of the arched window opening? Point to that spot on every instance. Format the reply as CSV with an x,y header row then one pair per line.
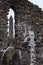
x,y
11,23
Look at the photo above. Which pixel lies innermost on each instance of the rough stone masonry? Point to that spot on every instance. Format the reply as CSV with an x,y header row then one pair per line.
x,y
27,17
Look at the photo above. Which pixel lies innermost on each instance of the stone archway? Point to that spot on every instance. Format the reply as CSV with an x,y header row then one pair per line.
x,y
10,57
24,11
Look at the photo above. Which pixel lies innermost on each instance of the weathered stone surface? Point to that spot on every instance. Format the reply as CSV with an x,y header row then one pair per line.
x,y
27,16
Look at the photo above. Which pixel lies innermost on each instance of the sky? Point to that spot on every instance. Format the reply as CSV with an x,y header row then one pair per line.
x,y
38,2
11,13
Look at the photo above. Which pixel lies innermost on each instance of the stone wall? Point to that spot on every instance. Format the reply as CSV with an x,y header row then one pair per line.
x,y
27,17
4,8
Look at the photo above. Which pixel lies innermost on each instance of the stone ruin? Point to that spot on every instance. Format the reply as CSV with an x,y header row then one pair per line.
x,y
28,17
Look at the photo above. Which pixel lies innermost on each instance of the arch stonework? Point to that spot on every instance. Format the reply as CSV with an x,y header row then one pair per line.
x,y
27,16
10,57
